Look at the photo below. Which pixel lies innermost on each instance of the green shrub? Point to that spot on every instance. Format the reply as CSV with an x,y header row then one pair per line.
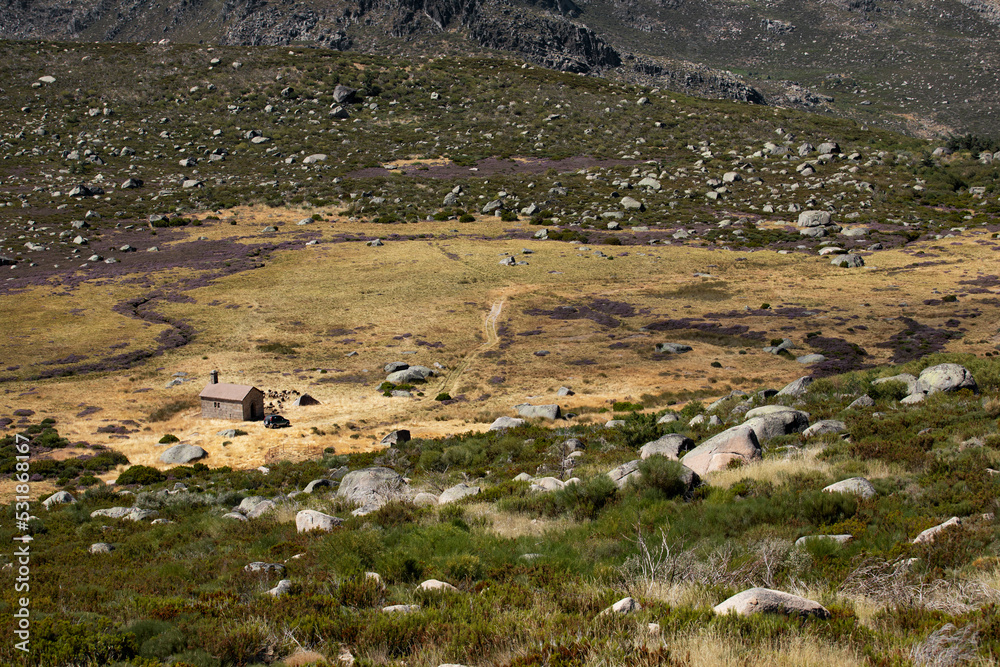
x,y
169,438
467,218
639,428
888,391
443,396
663,475
140,474
66,641
586,499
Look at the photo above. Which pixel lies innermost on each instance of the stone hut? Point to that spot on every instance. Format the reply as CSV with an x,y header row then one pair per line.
x,y
239,402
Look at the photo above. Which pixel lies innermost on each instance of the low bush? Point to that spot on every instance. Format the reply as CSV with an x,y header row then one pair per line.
x,y
140,474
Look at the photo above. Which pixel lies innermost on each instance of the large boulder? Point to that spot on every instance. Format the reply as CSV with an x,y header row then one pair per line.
x,y
436,585
825,426
181,454
261,508
814,218
623,606
127,513
737,443
410,374
624,473
307,520
529,411
672,445
859,486
58,498
946,377
316,484
343,94
929,535
768,601
836,539
503,423
770,421
457,492
370,488
849,261
796,388
547,484
305,399
396,437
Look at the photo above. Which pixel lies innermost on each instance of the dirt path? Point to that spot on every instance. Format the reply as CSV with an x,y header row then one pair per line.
x,y
451,380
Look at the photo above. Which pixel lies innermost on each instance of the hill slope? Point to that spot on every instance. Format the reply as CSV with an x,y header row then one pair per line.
x,y
928,68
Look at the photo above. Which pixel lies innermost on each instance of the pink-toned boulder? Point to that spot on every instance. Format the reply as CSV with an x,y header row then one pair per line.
x,y
737,443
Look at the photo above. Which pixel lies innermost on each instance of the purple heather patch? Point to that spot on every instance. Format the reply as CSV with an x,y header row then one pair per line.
x,y
916,340
23,412
601,311
87,411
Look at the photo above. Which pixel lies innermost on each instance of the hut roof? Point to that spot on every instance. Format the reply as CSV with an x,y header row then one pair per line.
x,y
226,392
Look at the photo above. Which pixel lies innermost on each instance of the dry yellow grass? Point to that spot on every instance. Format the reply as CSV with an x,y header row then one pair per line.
x,y
709,649
512,525
442,289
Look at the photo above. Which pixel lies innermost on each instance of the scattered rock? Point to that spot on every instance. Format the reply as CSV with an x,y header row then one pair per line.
x,y
859,486
127,513
370,488
436,585
101,548
502,423
317,484
550,411
672,446
259,566
623,606
623,473
796,388
307,520
58,498
825,426
396,437
946,377
814,219
283,587
928,536
305,399
547,484
401,608
672,348
771,421
861,402
425,499
182,454
458,492
839,539
848,261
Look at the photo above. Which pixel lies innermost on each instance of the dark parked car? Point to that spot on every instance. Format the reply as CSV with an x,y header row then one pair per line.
x,y
276,421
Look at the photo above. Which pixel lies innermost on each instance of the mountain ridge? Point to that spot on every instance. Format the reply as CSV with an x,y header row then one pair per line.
x,y
911,65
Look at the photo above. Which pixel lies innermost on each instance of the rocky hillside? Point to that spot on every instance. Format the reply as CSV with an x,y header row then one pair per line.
x,y
908,64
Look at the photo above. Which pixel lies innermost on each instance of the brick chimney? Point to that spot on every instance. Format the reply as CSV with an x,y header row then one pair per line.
x,y
214,377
